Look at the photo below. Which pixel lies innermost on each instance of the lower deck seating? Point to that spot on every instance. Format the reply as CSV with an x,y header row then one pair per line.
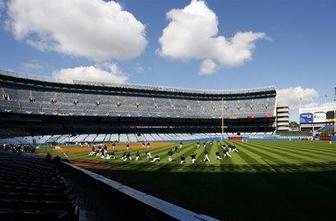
x,y
32,189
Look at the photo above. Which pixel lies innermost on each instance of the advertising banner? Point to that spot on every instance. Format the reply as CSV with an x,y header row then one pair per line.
x,y
320,117
306,118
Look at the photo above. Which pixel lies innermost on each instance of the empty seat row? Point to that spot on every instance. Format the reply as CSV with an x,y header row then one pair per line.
x,y
32,188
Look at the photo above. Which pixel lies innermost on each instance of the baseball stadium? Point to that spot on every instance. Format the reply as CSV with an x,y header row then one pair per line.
x,y
189,110
207,154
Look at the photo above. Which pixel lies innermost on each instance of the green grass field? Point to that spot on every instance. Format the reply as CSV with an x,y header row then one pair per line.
x,y
265,180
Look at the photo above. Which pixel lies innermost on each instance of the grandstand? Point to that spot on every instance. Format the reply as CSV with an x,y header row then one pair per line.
x,y
33,189
95,111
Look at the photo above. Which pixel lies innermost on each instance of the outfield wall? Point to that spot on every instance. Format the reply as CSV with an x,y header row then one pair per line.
x,y
277,137
129,203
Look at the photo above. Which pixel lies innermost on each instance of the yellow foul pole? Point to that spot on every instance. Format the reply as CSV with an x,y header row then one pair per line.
x,y
222,118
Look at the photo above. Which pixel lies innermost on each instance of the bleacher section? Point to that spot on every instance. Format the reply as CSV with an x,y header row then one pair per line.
x,y
32,189
103,108
44,102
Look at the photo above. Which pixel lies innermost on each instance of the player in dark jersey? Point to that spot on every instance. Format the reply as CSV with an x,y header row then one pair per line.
x,y
182,159
156,159
181,145
137,156
111,155
123,157
193,158
149,155
234,149
226,152
128,156
218,157
206,156
93,151
170,155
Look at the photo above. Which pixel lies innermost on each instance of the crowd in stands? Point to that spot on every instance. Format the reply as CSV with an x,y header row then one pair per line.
x,y
43,101
18,148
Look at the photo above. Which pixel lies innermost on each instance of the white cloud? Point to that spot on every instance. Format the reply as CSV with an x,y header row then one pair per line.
x,y
94,29
294,96
139,68
208,67
2,7
110,73
31,67
192,33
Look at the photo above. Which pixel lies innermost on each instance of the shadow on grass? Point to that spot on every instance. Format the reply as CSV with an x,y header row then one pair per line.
x,y
240,192
205,167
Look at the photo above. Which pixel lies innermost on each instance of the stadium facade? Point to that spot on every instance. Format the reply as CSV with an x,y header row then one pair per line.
x,y
31,107
317,117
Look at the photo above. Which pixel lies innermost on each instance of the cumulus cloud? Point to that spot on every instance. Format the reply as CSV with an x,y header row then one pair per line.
x,y
208,67
2,7
95,29
110,73
294,96
192,33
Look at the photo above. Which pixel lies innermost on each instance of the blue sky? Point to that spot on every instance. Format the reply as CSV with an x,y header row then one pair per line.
x,y
301,52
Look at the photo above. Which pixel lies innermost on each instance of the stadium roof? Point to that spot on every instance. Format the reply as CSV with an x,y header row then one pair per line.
x,y
137,86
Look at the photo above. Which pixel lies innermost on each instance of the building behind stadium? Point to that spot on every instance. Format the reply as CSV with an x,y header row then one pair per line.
x,y
315,118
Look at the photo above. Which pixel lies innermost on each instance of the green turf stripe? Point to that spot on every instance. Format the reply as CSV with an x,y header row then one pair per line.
x,y
238,159
250,157
300,153
306,144
212,155
255,162
282,154
321,150
200,155
305,161
200,160
266,155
